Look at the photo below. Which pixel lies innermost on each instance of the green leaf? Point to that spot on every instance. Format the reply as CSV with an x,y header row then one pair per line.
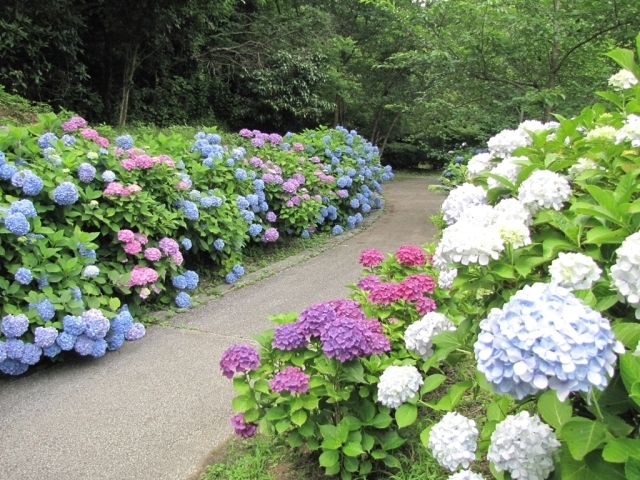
x,y
453,396
242,403
114,303
619,450
628,334
602,235
632,469
275,413
553,411
432,382
352,449
294,440
381,420
299,417
367,411
424,436
629,370
391,461
593,467
583,436
329,458
406,414
353,372
623,57
351,464
241,386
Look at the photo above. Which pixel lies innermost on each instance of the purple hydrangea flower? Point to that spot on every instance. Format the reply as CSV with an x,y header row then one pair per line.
x,y
14,326
31,355
270,235
45,336
13,367
86,172
97,325
345,339
83,345
291,379
136,332
245,430
288,337
347,308
314,319
239,358
15,348
66,341
271,217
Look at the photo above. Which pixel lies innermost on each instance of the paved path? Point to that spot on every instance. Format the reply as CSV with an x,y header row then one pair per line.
x,y
156,408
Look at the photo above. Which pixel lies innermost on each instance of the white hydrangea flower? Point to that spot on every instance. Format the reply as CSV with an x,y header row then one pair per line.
x,y
551,125
466,242
453,441
529,127
574,271
623,80
630,132
511,209
466,475
479,163
602,133
505,142
417,337
508,169
480,215
446,278
582,165
626,272
397,384
460,198
90,271
523,446
544,189
513,232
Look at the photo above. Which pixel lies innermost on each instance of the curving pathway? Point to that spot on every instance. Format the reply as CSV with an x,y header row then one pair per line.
x,y
156,408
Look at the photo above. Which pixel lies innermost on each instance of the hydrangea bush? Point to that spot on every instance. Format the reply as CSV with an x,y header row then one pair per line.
x,y
534,281
90,223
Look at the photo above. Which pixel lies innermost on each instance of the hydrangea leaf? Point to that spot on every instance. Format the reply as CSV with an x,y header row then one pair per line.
x,y
632,469
329,458
553,411
406,414
583,436
352,449
619,450
616,425
424,436
629,370
350,463
453,396
432,382
628,334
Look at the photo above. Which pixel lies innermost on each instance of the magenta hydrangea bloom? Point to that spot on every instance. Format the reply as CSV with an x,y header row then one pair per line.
x,y
345,339
425,305
239,358
314,319
126,236
413,287
411,256
142,276
384,293
133,247
288,337
347,308
368,282
291,379
152,254
270,235
245,430
371,258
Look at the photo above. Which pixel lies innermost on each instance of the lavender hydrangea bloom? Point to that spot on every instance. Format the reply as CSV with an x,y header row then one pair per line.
x,y
114,340
15,348
17,224
245,430
288,337
13,367
290,379
545,337
45,336
23,276
31,355
73,325
345,339
314,319
238,359
108,176
83,345
136,332
52,350
97,325
65,194
14,326
66,341
86,172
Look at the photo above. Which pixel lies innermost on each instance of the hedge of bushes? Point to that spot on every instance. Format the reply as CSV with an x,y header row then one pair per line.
x,y
94,227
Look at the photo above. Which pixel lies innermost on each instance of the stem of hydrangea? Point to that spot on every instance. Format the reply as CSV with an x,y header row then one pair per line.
x,y
592,398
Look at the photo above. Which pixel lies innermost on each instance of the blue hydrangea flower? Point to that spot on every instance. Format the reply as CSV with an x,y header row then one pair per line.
x,y
66,341
258,185
13,367
73,326
46,140
242,203
43,281
108,176
351,172
183,300
344,182
545,337
125,142
191,279
186,243
31,355
114,340
136,332
190,210
77,293
247,215
65,194
253,199
7,171
25,207
23,276
103,151
285,146
255,229
99,348
83,345
179,282
354,203
45,336
305,234
231,278
238,270
366,208
3,351
15,348
69,140
86,172
14,326
264,206
52,350
332,212
359,218
32,185
218,244
230,162
240,174
122,322
351,222
337,230
213,138
208,162
45,309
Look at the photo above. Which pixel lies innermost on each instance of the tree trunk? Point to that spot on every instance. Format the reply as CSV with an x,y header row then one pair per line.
x,y
127,82
386,137
374,131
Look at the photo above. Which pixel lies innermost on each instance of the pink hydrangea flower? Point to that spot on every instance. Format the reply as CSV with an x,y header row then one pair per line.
x,y
177,258
126,236
368,282
141,276
144,161
411,256
132,248
425,305
103,142
289,204
315,159
384,293
342,193
298,147
169,246
73,124
114,188
245,132
134,188
305,196
371,258
141,237
89,134
152,254
182,186
128,164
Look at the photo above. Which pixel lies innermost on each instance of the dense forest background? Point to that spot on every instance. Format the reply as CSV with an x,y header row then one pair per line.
x,y
416,78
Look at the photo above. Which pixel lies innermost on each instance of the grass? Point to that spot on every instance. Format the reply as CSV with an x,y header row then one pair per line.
x,y
415,173
269,458
16,110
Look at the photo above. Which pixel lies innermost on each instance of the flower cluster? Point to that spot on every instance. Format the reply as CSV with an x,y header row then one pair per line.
x,y
505,142
544,337
508,169
466,475
523,446
625,273
630,131
238,359
478,164
397,384
371,258
243,429
453,441
544,189
623,80
460,198
290,379
463,242
574,271
417,337
411,256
